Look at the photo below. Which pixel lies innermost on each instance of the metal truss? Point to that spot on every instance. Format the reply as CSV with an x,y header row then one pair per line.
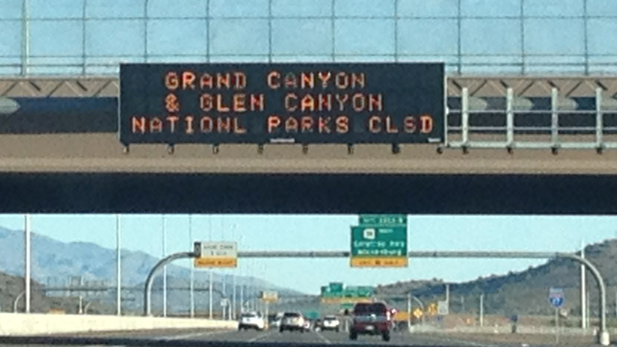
x,y
497,86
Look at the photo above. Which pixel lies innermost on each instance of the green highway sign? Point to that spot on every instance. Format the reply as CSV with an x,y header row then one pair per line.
x,y
311,314
335,287
358,292
390,220
336,292
379,246
347,305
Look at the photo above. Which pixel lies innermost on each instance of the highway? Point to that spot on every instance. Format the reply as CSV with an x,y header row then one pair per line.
x,y
189,338
219,338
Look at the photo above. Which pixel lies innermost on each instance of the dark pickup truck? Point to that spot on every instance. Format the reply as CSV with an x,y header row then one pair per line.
x,y
374,318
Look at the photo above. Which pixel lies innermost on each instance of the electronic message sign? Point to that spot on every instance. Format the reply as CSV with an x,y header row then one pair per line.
x,y
282,103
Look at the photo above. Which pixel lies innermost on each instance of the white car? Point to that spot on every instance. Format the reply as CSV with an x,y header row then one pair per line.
x,y
330,323
293,321
252,320
276,323
307,325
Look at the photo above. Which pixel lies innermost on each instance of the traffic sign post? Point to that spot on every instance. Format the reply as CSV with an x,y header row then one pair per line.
x,y
442,308
379,246
215,254
269,296
556,298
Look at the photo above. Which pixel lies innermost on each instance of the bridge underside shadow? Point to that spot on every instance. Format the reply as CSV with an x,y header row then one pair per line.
x,y
306,193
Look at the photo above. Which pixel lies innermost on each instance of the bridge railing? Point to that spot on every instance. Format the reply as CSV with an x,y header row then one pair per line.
x,y
510,122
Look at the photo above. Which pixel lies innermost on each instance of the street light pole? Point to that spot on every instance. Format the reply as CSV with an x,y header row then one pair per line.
x,y
233,295
481,310
27,263
243,280
192,284
409,311
118,267
210,277
210,296
242,298
223,276
165,267
583,290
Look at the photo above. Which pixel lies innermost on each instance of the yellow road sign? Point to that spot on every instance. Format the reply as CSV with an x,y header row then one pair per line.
x,y
379,261
216,262
432,309
417,313
269,296
344,300
216,254
400,316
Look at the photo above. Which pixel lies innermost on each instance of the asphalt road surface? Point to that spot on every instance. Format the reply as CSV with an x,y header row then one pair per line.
x,y
220,338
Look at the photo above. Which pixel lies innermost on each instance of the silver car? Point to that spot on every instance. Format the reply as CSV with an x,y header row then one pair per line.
x,y
293,321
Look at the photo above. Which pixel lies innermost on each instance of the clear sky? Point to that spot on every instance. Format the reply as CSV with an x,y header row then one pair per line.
x,y
323,232
493,39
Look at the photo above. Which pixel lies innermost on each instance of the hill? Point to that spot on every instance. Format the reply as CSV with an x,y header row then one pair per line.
x,y
524,292
13,286
55,262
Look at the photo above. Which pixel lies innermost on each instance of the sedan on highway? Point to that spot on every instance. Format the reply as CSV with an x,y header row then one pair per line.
x,y
293,321
252,320
330,323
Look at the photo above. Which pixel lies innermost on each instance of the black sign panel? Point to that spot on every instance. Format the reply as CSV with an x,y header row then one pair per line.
x,y
282,103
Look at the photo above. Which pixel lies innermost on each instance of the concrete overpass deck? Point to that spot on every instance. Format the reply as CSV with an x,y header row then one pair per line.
x,y
103,153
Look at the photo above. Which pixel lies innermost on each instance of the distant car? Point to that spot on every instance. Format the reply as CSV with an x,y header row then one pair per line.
x,y
252,320
374,318
330,323
317,324
276,323
293,321
307,324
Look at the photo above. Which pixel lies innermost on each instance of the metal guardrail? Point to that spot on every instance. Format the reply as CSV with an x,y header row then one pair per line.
x,y
580,122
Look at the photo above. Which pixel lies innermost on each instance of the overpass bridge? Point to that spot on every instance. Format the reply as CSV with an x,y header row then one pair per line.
x,y
82,125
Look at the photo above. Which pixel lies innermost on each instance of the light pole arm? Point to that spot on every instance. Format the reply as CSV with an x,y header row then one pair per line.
x,y
150,280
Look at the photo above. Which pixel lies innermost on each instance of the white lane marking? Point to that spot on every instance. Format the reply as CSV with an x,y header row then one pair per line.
x,y
458,341
262,336
323,338
192,335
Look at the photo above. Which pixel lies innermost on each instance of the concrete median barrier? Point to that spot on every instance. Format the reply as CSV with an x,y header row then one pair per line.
x,y
12,324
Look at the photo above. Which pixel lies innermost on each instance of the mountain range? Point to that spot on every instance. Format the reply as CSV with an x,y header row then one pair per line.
x,y
56,263
524,292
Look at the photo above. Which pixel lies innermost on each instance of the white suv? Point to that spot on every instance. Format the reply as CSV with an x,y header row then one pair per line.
x,y
330,323
252,320
293,321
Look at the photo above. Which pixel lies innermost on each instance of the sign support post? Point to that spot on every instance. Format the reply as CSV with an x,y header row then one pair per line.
x,y
556,325
556,298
